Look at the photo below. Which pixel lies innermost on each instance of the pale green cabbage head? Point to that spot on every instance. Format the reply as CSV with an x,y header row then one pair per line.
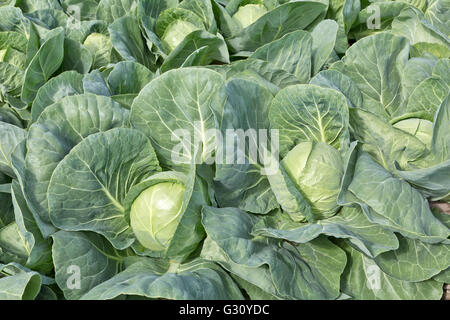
x,y
248,14
155,214
176,32
316,168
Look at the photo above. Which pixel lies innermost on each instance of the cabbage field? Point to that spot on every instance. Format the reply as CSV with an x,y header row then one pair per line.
x,y
224,149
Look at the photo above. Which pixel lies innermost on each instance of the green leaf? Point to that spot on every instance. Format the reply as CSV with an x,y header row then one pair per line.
x,y
324,39
389,201
198,280
292,53
11,78
384,142
421,33
241,181
24,286
96,176
364,280
340,82
38,249
276,23
216,50
375,63
76,57
83,256
414,260
10,137
12,245
350,223
59,128
46,61
126,38
307,271
309,113
177,107
66,84
111,10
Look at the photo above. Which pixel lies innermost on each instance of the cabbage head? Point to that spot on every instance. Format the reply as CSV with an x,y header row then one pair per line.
x,y
155,214
248,14
176,33
316,168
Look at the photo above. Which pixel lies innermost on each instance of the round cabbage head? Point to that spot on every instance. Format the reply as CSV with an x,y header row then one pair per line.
x,y
176,32
316,168
155,214
248,14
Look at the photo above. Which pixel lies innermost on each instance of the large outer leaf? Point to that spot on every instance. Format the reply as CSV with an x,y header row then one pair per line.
x,y
110,10
415,260
13,247
22,286
127,40
364,24
375,64
389,201
198,280
324,40
415,71
11,78
128,77
39,250
437,13
338,81
384,142
96,176
425,99
440,144
187,100
434,181
34,223
76,57
421,33
66,84
276,23
215,50
307,271
126,80
363,280
351,223
94,256
243,184
262,72
10,137
309,113
58,129
292,54
46,61
6,207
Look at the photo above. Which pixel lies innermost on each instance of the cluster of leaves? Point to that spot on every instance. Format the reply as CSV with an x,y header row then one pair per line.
x,y
93,91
